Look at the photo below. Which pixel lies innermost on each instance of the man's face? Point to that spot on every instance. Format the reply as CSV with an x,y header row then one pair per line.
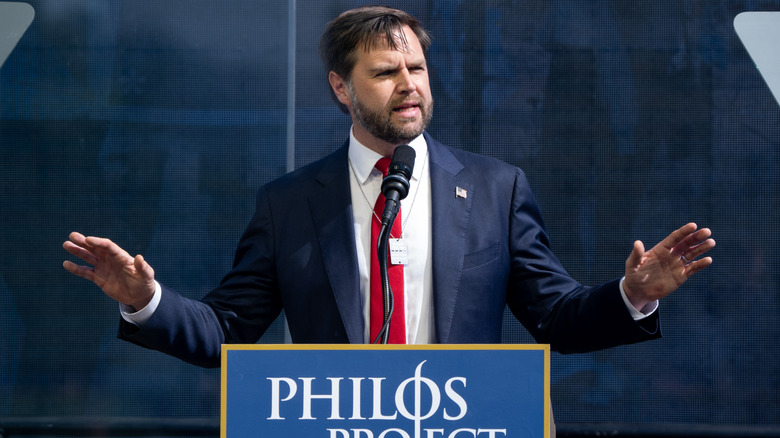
x,y
388,95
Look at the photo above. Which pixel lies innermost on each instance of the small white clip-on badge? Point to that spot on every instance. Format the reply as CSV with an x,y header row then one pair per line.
x,y
461,193
399,253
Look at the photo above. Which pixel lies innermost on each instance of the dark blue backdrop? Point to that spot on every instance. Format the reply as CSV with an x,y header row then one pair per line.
x,y
154,123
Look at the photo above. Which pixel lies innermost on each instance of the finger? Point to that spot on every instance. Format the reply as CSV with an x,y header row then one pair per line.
x,y
696,238
82,271
77,238
697,265
678,236
80,252
106,247
698,249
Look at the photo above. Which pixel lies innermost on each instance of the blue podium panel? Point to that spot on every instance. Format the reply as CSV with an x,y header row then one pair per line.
x,y
361,391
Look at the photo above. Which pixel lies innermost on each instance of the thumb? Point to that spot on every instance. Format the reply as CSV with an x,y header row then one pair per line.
x,y
143,268
636,255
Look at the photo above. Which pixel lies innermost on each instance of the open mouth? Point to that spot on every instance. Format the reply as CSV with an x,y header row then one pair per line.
x,y
408,109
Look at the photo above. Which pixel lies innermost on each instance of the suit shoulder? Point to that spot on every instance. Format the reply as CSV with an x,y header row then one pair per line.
x,y
315,173
478,163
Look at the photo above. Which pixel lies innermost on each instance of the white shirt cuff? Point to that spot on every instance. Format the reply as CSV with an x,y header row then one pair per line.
x,y
637,314
139,317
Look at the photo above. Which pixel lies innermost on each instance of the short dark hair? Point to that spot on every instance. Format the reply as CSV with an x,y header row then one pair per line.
x,y
365,28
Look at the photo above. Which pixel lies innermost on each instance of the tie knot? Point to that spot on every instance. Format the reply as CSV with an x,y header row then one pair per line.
x,y
383,165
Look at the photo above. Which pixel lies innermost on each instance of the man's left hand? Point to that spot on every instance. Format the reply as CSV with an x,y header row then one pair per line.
x,y
657,273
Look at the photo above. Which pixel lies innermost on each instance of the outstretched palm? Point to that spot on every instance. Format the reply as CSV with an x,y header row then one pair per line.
x,y
658,272
129,280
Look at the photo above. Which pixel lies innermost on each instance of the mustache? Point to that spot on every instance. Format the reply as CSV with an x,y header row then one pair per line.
x,y
409,101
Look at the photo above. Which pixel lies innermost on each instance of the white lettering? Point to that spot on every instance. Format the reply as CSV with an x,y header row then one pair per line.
x,y
457,432
293,388
455,397
356,387
333,432
418,380
429,399
333,397
491,432
377,415
428,433
400,432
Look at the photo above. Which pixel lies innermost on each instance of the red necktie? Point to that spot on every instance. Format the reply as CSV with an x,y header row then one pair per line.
x,y
395,274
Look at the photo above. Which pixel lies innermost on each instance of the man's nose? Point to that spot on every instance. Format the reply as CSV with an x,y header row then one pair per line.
x,y
406,82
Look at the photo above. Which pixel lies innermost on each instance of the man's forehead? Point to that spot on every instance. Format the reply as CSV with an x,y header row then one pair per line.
x,y
403,40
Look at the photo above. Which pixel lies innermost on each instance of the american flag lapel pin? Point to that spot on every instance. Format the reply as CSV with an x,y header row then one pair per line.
x,y
461,193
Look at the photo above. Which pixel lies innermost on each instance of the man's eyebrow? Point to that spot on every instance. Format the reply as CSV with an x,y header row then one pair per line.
x,y
395,67
420,62
387,66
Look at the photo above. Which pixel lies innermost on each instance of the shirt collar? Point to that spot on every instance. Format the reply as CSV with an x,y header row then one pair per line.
x,y
363,159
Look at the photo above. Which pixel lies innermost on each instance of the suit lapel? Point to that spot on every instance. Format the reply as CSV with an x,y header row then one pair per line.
x,y
331,210
451,200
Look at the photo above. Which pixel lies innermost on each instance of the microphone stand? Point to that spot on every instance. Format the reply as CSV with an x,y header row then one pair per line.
x,y
388,302
395,186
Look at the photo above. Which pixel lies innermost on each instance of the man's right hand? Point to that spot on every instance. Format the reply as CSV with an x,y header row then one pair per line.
x,y
129,280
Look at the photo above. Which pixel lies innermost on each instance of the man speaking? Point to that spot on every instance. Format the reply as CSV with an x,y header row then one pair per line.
x,y
468,238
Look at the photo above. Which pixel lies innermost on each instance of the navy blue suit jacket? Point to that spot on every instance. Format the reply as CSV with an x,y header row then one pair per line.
x,y
489,250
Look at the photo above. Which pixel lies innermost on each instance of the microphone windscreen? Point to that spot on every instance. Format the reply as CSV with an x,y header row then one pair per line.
x,y
403,160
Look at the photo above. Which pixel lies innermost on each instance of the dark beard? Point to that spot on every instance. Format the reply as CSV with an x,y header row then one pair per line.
x,y
381,125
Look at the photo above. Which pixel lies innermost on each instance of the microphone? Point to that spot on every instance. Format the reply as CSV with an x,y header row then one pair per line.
x,y
395,186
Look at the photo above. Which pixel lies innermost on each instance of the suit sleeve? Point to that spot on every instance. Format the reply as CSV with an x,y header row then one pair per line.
x,y
555,308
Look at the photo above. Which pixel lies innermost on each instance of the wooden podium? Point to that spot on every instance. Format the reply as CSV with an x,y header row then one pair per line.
x,y
389,391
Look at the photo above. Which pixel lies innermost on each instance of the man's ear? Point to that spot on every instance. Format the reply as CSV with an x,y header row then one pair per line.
x,y
340,89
